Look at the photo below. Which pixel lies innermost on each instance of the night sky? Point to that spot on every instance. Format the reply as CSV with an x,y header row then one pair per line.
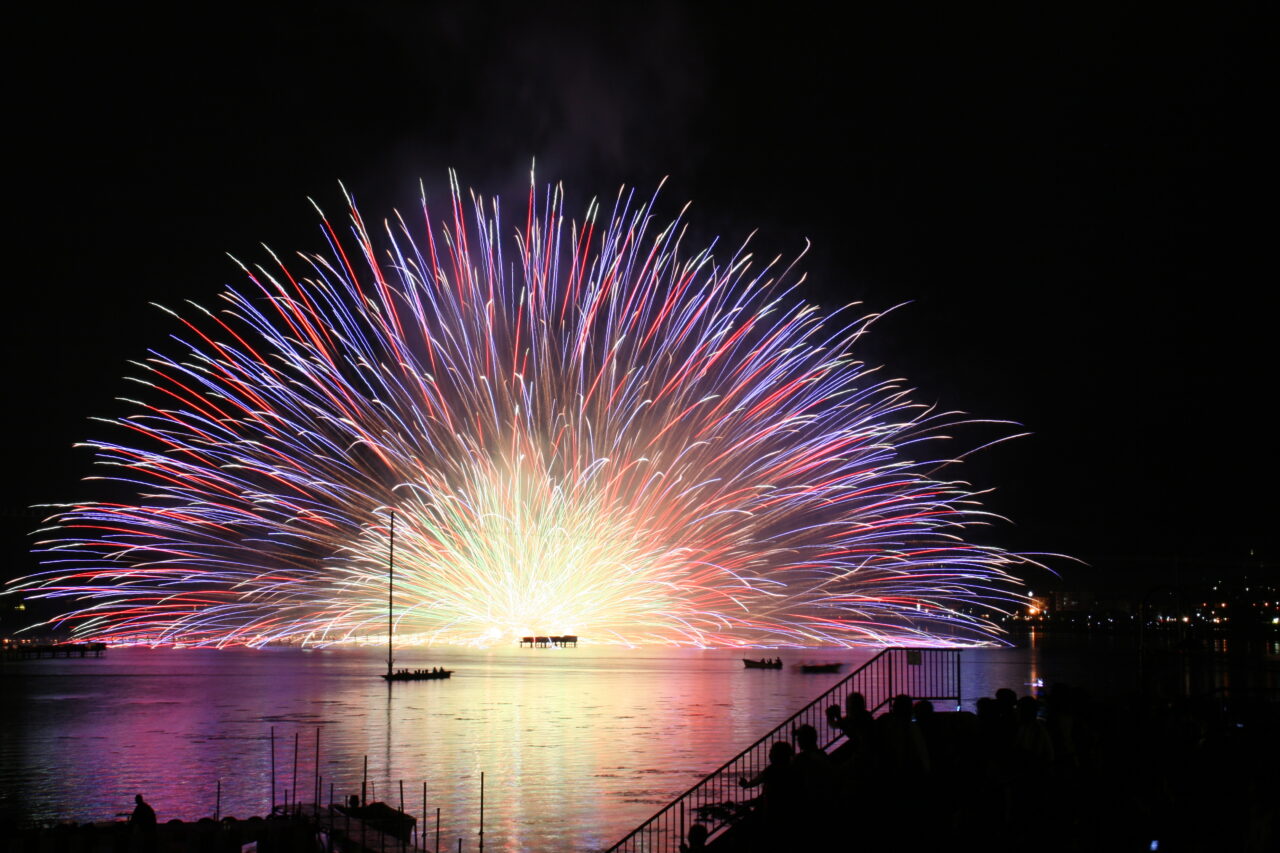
x,y
1071,202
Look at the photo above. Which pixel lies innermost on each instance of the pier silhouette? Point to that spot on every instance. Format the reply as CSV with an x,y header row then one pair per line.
x,y
563,641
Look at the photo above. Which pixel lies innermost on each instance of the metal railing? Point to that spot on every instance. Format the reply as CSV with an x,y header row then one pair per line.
x,y
718,800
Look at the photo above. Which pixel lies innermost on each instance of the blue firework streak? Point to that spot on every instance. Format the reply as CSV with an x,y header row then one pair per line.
x,y
585,429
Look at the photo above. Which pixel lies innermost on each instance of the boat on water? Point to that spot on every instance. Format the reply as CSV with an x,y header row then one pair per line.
x,y
820,667
433,674
379,816
763,663
417,674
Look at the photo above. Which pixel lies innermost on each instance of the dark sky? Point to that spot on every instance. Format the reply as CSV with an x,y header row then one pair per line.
x,y
1070,200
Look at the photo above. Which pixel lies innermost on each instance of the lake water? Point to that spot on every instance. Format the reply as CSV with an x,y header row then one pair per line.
x,y
578,746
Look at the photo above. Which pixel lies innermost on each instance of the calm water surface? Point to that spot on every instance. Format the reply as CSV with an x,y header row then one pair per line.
x,y
577,745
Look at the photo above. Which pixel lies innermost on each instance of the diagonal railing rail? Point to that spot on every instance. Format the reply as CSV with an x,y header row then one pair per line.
x,y
932,674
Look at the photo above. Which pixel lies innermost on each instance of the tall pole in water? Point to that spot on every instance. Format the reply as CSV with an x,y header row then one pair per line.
x,y
391,583
316,785
295,775
273,769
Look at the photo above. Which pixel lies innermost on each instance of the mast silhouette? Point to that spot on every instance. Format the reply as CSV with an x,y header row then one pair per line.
x,y
391,586
404,675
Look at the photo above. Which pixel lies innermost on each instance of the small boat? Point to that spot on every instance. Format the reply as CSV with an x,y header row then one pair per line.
x,y
763,663
417,674
381,817
402,674
820,667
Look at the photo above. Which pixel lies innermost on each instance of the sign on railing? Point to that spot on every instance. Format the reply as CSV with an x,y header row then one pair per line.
x,y
719,801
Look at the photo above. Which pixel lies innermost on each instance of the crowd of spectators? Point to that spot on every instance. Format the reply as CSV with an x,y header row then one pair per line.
x,y
1065,771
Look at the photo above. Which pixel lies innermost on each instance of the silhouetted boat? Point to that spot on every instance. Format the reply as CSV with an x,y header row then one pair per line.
x,y
418,675
820,667
404,674
382,817
762,664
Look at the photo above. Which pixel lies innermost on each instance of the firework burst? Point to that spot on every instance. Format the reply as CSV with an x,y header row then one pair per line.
x,y
587,429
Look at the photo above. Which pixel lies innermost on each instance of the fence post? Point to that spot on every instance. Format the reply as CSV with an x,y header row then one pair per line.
x,y
959,694
889,696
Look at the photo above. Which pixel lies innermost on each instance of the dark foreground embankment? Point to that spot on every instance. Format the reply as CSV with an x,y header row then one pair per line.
x,y
303,832
1071,772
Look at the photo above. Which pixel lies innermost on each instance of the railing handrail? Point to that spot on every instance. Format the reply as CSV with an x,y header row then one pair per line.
x,y
883,654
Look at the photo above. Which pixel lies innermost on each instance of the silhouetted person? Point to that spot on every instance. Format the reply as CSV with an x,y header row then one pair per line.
x,y
935,737
143,822
697,840
856,723
1062,717
778,801
903,754
1006,711
1031,740
816,782
811,762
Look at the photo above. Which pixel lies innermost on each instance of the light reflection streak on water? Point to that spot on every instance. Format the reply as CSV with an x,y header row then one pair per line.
x,y
578,745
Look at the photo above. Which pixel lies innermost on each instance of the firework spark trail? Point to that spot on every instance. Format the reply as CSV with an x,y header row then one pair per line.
x,y
601,434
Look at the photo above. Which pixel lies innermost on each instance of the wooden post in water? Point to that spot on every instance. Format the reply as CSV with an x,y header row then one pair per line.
x,y
422,832
316,786
273,769
364,781
481,811
293,786
437,850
